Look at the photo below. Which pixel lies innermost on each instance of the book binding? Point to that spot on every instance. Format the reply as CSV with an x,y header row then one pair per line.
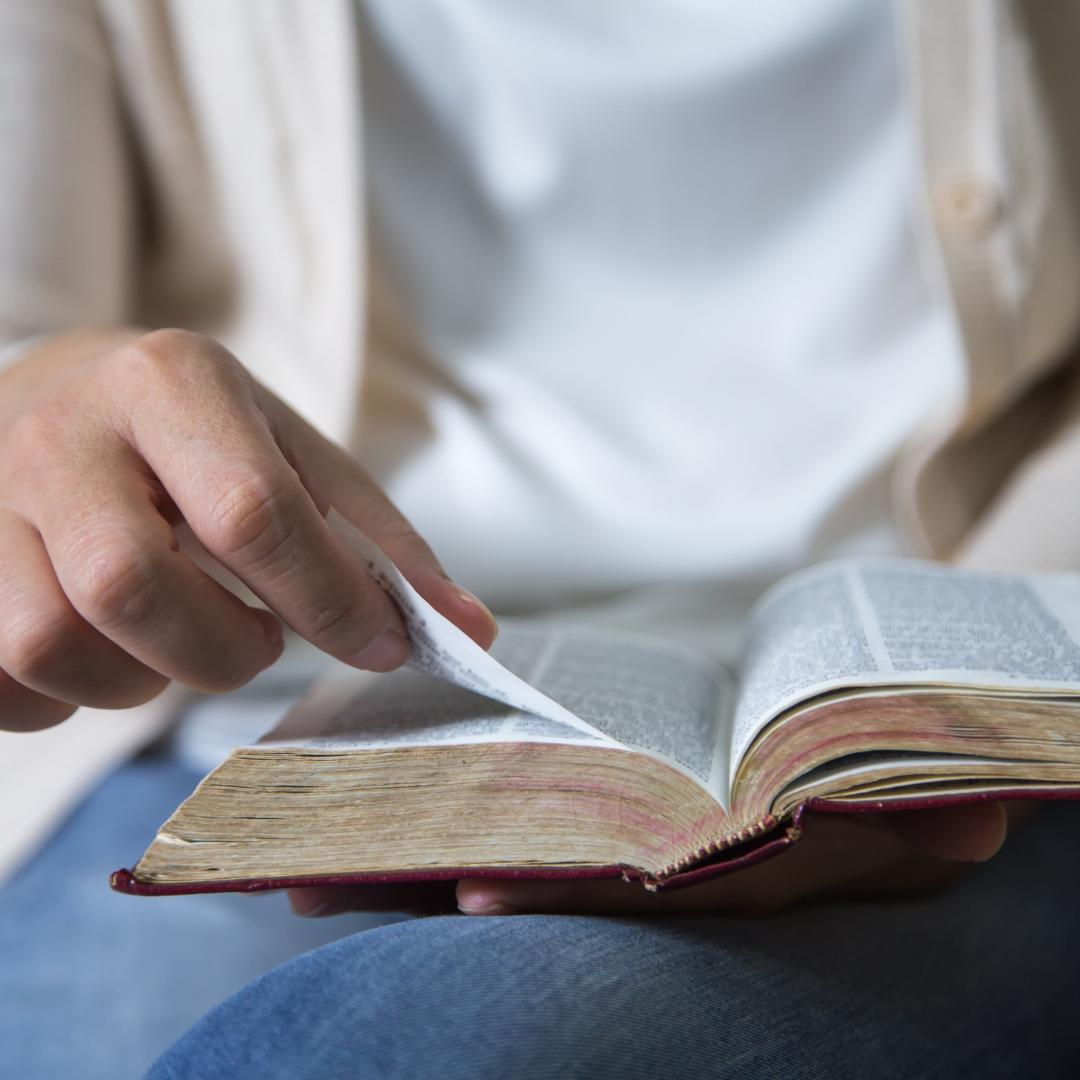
x,y
765,846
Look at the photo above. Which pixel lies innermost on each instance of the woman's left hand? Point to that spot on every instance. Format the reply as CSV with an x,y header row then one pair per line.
x,y
839,856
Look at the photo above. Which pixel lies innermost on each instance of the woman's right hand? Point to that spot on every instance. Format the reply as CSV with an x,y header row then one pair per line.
x,y
110,439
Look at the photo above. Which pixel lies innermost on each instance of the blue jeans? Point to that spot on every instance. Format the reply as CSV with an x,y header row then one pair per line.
x,y
979,981
94,985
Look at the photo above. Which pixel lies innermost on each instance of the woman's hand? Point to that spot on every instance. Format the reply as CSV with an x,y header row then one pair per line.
x,y
839,855
109,440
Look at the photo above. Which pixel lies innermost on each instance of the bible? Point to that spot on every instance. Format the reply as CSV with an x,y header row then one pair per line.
x,y
865,684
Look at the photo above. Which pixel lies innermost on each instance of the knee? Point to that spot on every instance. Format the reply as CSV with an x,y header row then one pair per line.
x,y
529,996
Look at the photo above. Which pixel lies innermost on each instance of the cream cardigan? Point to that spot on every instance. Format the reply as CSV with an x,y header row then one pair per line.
x,y
198,163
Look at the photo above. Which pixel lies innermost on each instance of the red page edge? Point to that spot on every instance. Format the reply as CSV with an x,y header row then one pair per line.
x,y
728,861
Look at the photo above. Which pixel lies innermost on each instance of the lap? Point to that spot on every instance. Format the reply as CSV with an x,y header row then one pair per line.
x,y
978,981
96,985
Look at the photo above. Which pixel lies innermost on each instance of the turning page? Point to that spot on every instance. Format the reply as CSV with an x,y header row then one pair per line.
x,y
442,649
655,698
539,683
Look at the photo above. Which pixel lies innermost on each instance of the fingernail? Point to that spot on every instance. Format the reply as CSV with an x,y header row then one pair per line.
x,y
326,909
388,651
489,909
464,594
275,638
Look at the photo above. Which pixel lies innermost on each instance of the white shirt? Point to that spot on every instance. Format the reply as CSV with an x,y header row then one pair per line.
x,y
661,258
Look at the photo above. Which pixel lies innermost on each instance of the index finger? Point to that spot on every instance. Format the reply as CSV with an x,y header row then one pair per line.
x,y
199,428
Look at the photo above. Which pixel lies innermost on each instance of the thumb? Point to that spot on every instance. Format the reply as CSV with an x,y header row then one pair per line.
x,y
969,833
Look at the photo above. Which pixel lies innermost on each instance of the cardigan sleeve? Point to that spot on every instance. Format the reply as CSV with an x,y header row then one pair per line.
x,y
66,192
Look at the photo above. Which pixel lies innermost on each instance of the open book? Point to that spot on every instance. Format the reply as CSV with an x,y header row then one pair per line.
x,y
865,684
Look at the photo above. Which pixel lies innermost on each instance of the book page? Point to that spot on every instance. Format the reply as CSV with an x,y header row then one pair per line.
x,y
655,698
440,648
870,622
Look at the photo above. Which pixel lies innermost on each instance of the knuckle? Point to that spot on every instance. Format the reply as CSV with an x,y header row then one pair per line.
x,y
225,680
343,619
40,647
172,339
154,355
171,356
252,520
23,710
117,586
163,347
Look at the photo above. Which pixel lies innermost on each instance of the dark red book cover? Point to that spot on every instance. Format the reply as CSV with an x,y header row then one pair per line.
x,y
764,846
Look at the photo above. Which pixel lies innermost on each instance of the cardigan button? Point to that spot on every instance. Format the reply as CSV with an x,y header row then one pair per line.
x,y
967,209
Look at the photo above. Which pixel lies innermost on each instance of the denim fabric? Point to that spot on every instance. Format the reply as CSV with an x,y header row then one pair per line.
x,y
94,985
980,981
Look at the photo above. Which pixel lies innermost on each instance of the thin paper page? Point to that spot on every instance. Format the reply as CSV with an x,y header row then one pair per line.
x,y
439,648
902,622
655,698
409,708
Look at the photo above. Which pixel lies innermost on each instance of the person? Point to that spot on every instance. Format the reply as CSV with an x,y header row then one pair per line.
x,y
654,313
